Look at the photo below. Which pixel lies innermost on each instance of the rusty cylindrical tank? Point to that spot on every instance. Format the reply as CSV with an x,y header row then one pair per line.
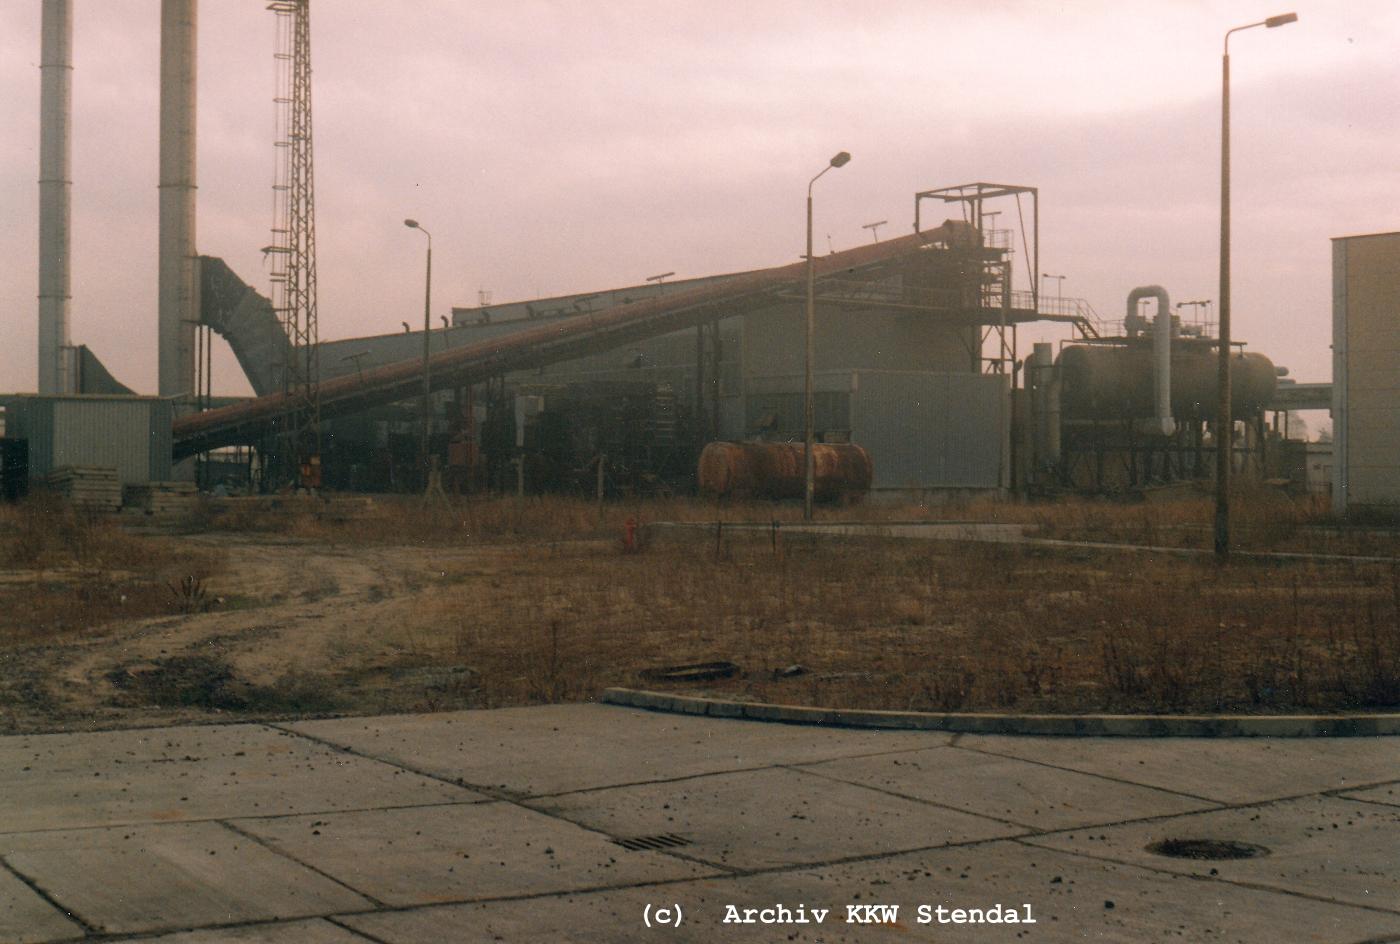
x,y
1110,383
775,471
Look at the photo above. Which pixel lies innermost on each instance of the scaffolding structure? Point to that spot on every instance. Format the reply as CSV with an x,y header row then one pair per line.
x,y
297,447
997,276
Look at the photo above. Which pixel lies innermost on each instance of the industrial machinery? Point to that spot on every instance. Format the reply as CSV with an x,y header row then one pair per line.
x,y
1112,380
552,343
915,340
617,437
1138,409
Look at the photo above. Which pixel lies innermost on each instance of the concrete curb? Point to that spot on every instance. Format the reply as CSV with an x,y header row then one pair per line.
x,y
1199,726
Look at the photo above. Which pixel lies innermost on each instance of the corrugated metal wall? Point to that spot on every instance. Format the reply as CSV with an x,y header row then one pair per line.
x,y
774,405
129,434
852,340
1366,371
931,430
924,429
31,418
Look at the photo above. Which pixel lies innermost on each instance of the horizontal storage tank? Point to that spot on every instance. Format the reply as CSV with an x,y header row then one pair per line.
x,y
776,471
1115,382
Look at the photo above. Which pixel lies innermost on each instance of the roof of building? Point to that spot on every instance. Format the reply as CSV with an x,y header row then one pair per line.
x,y
1364,236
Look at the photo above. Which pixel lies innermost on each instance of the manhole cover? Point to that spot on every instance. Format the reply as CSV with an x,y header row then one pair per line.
x,y
659,841
1206,849
697,672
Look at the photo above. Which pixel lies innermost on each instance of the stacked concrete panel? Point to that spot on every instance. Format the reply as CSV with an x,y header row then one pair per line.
x,y
164,502
93,488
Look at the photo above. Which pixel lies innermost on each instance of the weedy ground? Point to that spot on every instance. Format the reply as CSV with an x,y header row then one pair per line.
x,y
404,606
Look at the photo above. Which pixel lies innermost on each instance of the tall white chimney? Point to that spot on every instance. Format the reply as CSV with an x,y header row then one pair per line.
x,y
178,304
56,373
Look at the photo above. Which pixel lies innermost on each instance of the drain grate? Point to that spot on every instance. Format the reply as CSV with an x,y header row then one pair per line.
x,y
1206,849
659,841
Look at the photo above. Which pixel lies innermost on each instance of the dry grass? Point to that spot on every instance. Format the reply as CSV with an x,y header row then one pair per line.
x,y
405,520
68,572
911,626
1262,519
513,602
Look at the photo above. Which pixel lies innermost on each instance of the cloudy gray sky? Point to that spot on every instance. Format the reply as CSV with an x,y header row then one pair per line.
x,y
572,146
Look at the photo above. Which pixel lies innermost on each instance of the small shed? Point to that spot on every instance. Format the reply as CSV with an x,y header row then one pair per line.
x,y
128,433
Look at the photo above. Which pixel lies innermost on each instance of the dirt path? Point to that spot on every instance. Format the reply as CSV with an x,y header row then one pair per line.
x,y
305,629
277,611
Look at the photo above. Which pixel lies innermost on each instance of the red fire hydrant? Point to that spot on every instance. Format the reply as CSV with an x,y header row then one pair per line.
x,y
629,536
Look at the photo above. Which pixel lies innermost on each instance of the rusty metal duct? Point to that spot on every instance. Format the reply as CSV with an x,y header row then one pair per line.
x,y
56,373
1162,423
177,305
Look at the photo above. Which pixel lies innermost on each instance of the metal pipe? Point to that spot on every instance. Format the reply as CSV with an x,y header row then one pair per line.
x,y
808,427
808,424
55,189
427,357
1038,373
177,306
1162,424
427,403
1224,421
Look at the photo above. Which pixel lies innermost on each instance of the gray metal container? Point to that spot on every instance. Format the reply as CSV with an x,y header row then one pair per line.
x,y
129,434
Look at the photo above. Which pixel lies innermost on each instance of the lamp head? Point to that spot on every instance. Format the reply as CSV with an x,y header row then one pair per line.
x,y
1283,19
411,224
841,159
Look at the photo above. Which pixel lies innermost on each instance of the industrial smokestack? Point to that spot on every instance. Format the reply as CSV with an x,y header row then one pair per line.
x,y
178,305
56,373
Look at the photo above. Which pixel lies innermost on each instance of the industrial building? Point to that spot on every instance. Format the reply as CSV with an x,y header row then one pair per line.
x,y
897,351
917,360
126,433
901,343
916,352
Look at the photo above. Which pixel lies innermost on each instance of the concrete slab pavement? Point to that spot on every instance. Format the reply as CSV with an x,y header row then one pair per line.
x,y
175,774
169,877
1327,848
604,750
575,823
1218,769
1072,900
462,853
1032,795
318,931
772,818
25,916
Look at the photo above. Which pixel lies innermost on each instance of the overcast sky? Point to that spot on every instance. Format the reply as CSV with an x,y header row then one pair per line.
x,y
574,146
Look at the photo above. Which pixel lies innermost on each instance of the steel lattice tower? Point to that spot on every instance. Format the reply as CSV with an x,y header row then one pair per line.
x,y
293,246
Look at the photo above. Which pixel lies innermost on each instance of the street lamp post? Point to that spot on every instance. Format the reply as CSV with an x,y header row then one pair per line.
x,y
1059,284
427,340
1224,420
808,463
